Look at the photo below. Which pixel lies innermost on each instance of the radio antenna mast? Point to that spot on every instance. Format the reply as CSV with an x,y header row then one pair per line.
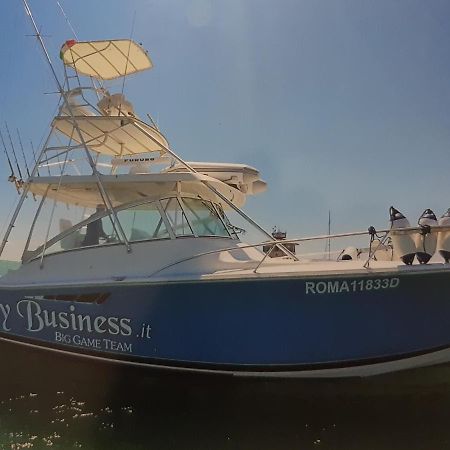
x,y
44,48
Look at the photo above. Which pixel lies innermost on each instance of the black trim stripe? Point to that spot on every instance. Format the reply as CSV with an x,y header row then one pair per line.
x,y
215,367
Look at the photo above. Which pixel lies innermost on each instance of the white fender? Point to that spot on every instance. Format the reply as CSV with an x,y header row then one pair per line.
x,y
443,239
404,246
426,243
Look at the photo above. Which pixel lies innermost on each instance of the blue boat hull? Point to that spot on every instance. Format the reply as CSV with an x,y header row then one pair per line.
x,y
240,325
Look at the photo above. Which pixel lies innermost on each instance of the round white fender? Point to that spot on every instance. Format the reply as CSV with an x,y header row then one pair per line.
x,y
404,246
426,242
443,239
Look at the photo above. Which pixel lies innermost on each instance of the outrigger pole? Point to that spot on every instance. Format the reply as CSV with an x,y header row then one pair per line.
x,y
102,191
105,197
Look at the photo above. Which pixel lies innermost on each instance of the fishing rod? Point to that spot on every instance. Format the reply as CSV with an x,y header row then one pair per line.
x,y
24,159
20,181
12,177
23,153
34,156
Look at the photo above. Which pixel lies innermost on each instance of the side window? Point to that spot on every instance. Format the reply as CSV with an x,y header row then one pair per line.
x,y
176,217
143,222
186,217
204,218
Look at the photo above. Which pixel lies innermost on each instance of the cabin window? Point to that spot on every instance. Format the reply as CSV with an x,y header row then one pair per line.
x,y
176,216
154,220
143,222
203,218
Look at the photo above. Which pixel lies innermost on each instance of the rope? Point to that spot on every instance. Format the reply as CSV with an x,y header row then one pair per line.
x,y
381,241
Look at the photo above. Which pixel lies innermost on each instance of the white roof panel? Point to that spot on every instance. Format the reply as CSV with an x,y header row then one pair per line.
x,y
83,190
105,60
112,135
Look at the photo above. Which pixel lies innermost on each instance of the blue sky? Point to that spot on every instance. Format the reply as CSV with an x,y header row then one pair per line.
x,y
342,105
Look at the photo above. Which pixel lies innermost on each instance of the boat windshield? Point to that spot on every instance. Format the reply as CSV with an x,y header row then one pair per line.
x,y
139,223
194,216
166,218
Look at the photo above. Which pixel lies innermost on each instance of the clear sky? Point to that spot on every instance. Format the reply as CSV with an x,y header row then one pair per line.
x,y
343,105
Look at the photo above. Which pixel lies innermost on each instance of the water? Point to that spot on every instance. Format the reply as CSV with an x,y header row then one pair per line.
x,y
83,406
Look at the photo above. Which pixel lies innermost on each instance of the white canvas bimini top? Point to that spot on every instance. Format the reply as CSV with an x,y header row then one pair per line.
x,y
105,60
112,135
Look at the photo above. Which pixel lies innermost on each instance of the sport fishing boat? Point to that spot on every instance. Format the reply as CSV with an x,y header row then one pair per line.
x,y
132,257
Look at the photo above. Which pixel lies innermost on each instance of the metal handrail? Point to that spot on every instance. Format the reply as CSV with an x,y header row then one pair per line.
x,y
387,231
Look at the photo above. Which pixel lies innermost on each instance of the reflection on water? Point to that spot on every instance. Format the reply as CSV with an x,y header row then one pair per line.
x,y
73,406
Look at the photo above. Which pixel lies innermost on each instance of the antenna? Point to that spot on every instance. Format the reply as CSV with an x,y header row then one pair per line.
x,y
44,49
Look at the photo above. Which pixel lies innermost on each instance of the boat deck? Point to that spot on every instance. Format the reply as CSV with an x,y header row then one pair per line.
x,y
289,268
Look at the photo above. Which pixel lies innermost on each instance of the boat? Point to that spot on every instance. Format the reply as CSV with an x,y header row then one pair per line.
x,y
132,257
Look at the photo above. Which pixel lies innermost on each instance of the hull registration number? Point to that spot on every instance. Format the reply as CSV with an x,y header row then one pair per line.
x,y
337,286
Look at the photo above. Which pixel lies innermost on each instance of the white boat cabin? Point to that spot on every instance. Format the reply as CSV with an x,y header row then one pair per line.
x,y
163,214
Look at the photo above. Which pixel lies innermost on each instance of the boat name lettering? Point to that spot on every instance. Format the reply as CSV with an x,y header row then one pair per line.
x,y
5,310
38,318
95,343
337,286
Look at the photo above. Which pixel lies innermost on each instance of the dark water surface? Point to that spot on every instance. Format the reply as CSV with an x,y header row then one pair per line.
x,y
62,404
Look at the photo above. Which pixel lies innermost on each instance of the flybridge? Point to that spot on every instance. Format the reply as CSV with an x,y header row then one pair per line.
x,y
96,136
